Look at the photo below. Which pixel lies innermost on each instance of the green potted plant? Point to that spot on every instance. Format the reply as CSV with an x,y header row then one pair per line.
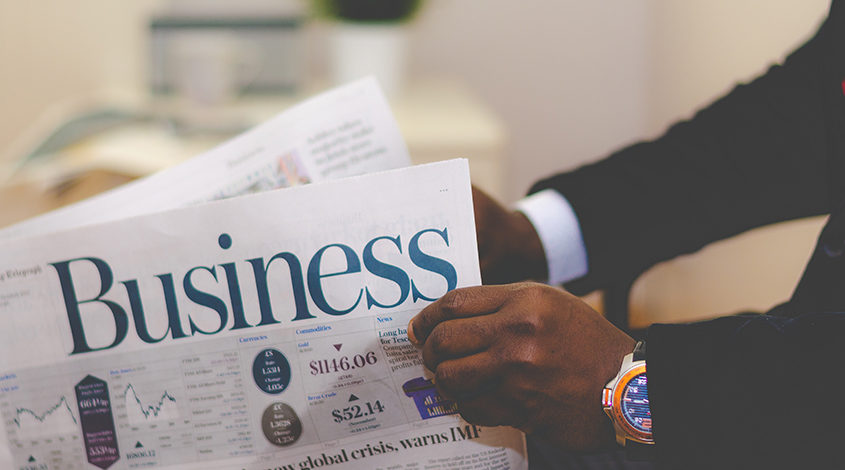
x,y
368,11
369,37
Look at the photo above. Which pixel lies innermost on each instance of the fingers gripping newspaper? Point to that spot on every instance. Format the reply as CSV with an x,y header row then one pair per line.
x,y
260,332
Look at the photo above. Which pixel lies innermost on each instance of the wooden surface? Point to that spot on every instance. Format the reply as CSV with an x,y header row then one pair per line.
x,y
24,200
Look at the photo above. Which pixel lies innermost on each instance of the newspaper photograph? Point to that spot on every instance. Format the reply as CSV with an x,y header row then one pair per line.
x,y
261,332
347,131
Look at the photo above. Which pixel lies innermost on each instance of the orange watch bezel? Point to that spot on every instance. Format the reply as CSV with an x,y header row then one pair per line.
x,y
616,407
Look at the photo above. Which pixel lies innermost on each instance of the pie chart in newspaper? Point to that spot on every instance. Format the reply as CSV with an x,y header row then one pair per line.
x,y
271,371
281,425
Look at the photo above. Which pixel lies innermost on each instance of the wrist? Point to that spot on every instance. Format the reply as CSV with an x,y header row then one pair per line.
x,y
529,247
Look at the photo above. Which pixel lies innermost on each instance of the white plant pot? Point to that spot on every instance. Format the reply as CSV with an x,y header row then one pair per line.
x,y
361,49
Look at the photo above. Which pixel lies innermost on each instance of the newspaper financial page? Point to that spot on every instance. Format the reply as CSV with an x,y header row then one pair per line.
x,y
261,332
346,131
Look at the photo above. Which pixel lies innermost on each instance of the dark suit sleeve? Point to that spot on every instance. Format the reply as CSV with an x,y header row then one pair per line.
x,y
759,155
745,392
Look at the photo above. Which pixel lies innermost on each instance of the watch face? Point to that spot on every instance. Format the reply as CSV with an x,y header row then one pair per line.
x,y
635,408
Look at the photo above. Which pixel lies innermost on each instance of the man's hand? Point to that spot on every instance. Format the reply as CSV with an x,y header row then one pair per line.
x,y
524,355
508,246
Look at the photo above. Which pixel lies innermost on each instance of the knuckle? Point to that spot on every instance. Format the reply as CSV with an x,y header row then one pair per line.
x,y
421,325
533,307
529,324
532,292
439,339
453,301
523,294
446,380
429,359
438,335
521,359
527,358
436,347
444,376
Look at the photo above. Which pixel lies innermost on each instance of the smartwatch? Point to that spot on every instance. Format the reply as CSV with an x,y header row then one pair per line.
x,y
625,400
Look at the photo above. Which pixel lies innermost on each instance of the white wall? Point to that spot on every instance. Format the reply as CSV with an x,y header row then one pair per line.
x,y
575,79
54,50
699,49
568,77
572,79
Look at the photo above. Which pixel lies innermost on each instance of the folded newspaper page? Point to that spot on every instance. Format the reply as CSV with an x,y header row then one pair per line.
x,y
346,131
261,332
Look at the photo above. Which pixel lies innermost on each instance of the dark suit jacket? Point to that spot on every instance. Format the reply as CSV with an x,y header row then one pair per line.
x,y
763,391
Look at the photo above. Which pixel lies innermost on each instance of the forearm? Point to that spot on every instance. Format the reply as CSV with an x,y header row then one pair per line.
x,y
759,155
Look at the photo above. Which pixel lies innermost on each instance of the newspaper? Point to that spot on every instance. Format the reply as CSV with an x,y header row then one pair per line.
x,y
259,332
344,132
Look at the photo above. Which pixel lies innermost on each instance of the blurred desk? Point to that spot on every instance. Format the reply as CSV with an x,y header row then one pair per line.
x,y
438,120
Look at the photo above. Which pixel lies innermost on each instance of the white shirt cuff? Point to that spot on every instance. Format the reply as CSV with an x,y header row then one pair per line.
x,y
560,233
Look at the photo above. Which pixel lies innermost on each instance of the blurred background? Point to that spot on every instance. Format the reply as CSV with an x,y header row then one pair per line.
x,y
522,89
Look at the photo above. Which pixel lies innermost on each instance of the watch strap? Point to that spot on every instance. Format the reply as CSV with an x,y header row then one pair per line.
x,y
639,452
